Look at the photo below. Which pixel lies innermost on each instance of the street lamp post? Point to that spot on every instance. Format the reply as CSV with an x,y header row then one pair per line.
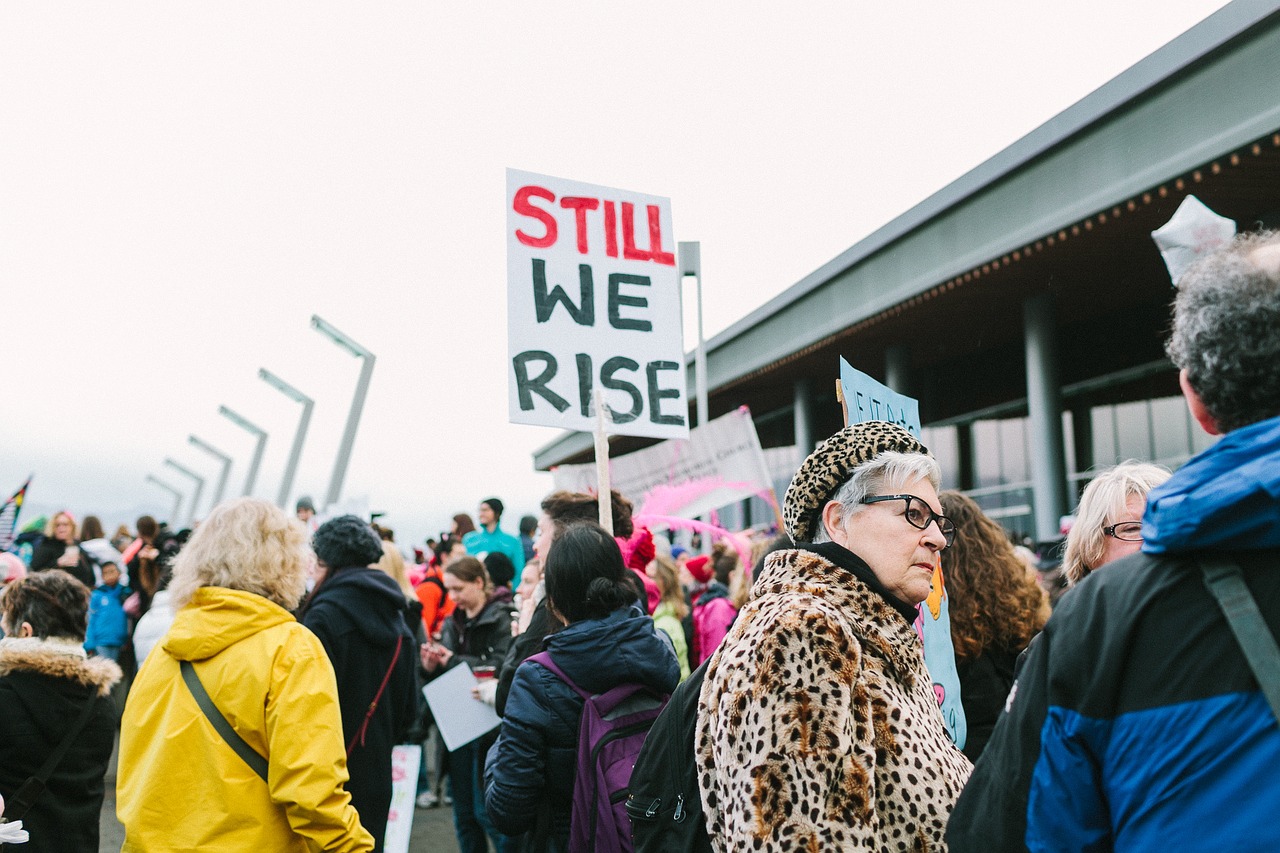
x,y
177,495
291,468
257,451
357,404
691,264
226,466
195,499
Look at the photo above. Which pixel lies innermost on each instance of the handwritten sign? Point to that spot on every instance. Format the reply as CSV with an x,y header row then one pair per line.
x,y
865,399
404,787
593,301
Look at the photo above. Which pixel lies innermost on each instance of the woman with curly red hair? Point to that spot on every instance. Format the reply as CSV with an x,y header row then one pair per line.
x,y
996,608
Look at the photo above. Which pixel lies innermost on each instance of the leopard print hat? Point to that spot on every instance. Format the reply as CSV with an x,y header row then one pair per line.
x,y
828,467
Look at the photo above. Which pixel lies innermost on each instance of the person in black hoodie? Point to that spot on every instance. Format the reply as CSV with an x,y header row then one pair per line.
x,y
358,613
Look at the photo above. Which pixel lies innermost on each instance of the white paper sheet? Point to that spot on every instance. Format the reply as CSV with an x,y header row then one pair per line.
x,y
460,718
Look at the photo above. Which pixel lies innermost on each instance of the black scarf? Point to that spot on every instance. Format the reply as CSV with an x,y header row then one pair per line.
x,y
856,566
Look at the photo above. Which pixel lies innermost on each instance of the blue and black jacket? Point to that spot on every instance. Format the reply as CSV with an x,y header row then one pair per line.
x,y
1136,723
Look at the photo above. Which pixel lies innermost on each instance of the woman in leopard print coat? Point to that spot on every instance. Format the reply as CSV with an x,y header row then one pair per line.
x,y
818,728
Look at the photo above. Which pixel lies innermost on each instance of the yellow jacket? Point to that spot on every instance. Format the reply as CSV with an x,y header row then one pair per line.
x,y
182,788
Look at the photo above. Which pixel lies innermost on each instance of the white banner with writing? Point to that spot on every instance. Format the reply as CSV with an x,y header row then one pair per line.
x,y
721,462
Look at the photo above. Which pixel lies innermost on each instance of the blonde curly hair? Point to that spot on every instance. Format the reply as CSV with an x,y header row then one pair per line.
x,y
246,544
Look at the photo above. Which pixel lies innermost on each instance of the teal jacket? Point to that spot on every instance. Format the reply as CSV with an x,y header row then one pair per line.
x,y
483,542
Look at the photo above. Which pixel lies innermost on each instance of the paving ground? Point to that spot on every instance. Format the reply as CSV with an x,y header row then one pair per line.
x,y
432,828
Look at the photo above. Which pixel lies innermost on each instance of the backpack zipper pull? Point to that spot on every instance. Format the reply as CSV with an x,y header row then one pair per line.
x,y
653,808
679,815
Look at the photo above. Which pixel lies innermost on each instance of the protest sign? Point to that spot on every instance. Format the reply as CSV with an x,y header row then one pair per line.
x,y
865,399
721,462
592,304
460,717
404,788
934,627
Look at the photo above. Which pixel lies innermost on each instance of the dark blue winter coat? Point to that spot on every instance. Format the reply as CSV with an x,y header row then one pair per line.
x,y
1136,723
358,614
535,759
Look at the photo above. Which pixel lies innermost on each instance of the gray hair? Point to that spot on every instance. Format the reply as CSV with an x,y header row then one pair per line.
x,y
1101,504
890,470
1226,330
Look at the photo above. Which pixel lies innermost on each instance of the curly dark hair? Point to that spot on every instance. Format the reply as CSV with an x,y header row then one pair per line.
x,y
994,600
565,508
1226,330
53,602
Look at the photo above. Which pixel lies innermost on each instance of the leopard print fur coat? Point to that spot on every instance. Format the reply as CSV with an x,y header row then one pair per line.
x,y
818,729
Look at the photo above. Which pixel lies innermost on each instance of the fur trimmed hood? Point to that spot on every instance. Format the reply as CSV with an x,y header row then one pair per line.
x,y
54,659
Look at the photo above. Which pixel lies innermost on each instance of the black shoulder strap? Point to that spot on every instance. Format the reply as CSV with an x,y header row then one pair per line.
x,y
25,797
1226,582
255,761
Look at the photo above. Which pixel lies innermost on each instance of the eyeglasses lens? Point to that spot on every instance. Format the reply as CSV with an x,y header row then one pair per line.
x,y
1130,531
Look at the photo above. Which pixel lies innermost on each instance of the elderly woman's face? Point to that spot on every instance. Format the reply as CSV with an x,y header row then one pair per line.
x,y
1113,548
901,556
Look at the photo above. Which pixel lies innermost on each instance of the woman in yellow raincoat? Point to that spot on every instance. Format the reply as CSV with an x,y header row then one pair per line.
x,y
272,778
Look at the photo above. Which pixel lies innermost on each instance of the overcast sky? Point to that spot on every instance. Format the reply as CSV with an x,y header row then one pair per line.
x,y
183,185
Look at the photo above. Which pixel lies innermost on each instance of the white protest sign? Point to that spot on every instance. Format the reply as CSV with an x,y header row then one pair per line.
x,y
460,717
593,301
720,463
865,399
404,788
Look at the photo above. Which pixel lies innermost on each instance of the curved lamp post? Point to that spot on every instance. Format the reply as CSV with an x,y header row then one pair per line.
x,y
226,467
195,499
295,453
357,403
177,495
257,451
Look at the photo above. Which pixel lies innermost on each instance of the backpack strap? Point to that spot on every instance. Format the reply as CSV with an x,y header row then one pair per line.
x,y
373,706
220,724
544,658
1225,580
25,797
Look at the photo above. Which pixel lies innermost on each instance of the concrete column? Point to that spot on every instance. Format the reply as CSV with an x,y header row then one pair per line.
x,y
1044,404
804,417
897,369
964,448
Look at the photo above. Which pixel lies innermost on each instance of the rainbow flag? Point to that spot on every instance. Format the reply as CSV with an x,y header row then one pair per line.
x,y
9,516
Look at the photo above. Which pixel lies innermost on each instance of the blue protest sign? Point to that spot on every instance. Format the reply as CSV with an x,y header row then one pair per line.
x,y
867,400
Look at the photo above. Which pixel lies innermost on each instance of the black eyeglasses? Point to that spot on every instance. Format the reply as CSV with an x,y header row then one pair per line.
x,y
1125,531
920,515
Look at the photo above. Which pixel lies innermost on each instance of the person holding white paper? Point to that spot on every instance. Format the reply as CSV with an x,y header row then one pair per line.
x,y
478,632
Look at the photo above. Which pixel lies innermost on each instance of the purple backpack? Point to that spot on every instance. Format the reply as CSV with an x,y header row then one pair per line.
x,y
610,733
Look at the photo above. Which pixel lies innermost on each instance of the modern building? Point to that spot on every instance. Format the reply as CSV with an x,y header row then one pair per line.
x,y
1025,305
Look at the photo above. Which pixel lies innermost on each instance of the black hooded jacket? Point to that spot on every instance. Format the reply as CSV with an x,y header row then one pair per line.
x,y
358,614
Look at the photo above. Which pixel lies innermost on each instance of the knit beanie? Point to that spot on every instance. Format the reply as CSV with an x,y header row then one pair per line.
x,y
700,568
346,541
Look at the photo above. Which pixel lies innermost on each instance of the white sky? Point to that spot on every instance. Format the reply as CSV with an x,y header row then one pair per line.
x,y
183,185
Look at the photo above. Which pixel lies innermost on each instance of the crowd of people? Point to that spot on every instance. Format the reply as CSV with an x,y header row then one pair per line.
x,y
261,668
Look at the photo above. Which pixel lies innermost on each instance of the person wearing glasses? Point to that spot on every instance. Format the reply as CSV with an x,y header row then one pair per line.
x,y
1108,522
818,727
1139,722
